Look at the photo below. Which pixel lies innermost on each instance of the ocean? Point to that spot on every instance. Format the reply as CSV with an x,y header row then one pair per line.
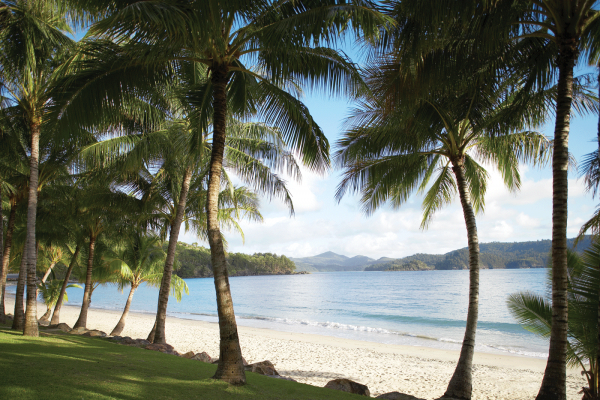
x,y
418,308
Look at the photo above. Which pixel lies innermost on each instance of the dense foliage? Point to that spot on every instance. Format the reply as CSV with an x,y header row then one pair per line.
x,y
194,262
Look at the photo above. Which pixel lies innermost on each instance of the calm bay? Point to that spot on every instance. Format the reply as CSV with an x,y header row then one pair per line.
x,y
421,308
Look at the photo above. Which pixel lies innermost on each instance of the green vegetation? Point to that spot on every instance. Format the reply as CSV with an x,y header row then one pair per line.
x,y
534,313
195,262
495,255
75,367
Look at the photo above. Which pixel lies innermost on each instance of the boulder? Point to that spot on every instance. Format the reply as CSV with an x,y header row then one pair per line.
x,y
189,354
116,338
78,331
128,341
141,342
397,396
346,385
43,322
264,368
162,347
204,357
62,326
95,333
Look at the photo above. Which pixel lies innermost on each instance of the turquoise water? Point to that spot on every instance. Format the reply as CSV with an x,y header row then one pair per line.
x,y
425,308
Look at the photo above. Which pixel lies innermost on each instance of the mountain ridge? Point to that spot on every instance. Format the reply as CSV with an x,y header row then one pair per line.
x,y
493,255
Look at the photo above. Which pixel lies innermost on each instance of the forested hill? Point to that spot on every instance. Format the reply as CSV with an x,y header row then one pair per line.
x,y
194,262
493,255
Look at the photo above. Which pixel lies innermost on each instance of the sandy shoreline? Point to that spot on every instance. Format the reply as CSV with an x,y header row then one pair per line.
x,y
314,359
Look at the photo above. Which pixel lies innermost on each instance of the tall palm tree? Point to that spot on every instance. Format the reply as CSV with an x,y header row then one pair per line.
x,y
282,39
435,152
140,258
413,127
32,40
551,35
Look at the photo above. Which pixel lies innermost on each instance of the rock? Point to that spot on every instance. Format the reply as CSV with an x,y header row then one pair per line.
x,y
204,357
95,333
78,331
397,396
141,342
116,338
215,361
264,368
128,341
62,326
189,354
162,347
43,322
346,385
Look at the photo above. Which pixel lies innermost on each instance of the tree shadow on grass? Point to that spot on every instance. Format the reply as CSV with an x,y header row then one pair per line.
x,y
79,367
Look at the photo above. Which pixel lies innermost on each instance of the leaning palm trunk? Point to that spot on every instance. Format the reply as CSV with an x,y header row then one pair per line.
x,y
87,294
47,274
63,289
460,386
6,258
49,308
19,314
121,324
31,322
554,383
230,367
157,335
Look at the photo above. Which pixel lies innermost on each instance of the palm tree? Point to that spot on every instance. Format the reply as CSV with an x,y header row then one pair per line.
x,y
552,35
161,192
432,141
140,258
32,40
104,210
282,39
534,313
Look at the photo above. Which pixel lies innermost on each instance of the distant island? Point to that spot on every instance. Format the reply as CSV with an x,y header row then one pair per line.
x,y
194,262
495,255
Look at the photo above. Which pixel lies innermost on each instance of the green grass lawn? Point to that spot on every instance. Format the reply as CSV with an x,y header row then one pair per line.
x,y
74,367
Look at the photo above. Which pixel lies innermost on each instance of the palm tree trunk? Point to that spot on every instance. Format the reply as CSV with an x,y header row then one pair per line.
x,y
48,272
6,258
230,367
87,294
554,383
461,383
19,314
31,322
158,332
46,314
63,289
121,324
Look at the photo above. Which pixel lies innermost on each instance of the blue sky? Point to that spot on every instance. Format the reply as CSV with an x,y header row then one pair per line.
x,y
321,224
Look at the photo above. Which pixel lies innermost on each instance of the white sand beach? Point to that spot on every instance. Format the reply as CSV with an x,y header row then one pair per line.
x,y
314,359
